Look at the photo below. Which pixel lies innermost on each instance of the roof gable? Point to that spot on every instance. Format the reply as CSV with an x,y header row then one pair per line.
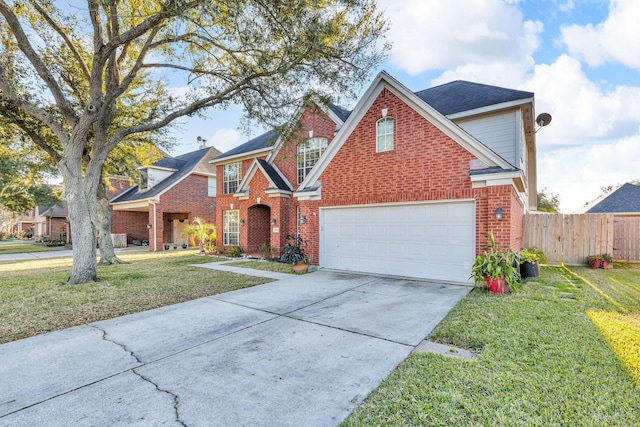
x,y
277,182
188,163
382,81
625,199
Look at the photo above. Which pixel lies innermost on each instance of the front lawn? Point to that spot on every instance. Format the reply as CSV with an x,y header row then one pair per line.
x,y
278,267
565,351
34,301
22,248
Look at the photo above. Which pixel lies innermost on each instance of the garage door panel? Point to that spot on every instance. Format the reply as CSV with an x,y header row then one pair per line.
x,y
430,241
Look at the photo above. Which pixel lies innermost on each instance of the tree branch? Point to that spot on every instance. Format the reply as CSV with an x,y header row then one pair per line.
x,y
40,67
65,37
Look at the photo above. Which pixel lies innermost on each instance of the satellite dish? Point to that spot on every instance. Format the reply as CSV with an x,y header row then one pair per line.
x,y
543,119
200,138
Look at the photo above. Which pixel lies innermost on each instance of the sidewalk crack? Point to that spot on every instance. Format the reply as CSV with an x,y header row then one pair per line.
x,y
176,399
124,347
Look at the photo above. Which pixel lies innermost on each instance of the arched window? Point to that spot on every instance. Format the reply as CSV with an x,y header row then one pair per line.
x,y
309,153
384,134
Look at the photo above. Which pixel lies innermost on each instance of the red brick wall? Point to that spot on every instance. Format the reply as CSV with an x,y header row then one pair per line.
x,y
133,224
312,119
425,164
189,196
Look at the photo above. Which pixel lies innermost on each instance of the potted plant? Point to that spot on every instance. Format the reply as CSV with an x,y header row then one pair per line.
x,y
594,261
606,260
498,269
293,253
529,259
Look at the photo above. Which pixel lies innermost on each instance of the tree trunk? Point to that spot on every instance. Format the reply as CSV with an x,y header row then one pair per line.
x,y
81,196
83,233
103,219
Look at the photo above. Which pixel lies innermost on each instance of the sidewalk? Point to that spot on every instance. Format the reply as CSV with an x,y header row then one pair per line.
x,y
59,253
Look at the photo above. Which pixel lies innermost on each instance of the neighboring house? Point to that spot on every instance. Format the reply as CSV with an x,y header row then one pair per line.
x,y
173,191
406,184
56,223
624,200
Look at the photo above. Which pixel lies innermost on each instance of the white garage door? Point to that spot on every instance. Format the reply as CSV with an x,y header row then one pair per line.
x,y
429,241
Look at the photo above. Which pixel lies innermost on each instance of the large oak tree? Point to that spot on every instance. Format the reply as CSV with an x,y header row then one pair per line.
x,y
262,55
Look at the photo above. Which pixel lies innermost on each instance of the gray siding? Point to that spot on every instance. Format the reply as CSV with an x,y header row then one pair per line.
x,y
499,132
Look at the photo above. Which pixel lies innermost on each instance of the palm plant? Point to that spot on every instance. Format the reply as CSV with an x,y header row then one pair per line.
x,y
203,232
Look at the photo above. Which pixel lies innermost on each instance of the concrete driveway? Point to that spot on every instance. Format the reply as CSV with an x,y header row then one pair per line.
x,y
303,351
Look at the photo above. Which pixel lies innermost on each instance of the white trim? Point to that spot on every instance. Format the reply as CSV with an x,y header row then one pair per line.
x,y
243,156
514,178
276,192
490,108
382,81
133,204
160,168
385,204
314,194
243,187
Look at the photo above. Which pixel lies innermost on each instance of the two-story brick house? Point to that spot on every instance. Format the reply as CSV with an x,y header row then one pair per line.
x,y
174,190
406,184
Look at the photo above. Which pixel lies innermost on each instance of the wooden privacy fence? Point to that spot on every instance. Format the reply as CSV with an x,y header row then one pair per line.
x,y
570,239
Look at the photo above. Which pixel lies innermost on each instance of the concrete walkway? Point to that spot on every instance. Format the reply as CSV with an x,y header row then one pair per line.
x,y
60,252
302,351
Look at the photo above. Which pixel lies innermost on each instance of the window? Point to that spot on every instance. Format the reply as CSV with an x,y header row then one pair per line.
x,y
309,153
384,134
231,228
232,175
211,187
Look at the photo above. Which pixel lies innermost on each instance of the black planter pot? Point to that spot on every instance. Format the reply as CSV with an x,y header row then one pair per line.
x,y
528,269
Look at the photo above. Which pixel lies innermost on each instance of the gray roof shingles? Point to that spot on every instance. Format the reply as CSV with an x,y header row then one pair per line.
x,y
184,163
265,140
624,199
458,96
274,175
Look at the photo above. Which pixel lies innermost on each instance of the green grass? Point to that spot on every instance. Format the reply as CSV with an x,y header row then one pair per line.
x,y
565,351
35,301
21,248
278,267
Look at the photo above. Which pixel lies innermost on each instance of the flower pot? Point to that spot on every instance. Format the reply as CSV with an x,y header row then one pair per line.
x,y
529,269
497,285
166,247
184,246
300,267
605,264
597,262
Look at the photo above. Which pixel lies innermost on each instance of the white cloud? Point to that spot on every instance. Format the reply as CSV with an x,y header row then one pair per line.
x,y
225,139
582,110
617,39
578,173
433,34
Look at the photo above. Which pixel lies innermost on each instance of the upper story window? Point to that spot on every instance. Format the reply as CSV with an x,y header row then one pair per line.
x,y
232,175
309,153
211,187
384,134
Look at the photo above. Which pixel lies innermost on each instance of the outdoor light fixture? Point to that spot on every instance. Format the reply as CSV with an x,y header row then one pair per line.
x,y
242,222
273,221
149,226
499,214
303,218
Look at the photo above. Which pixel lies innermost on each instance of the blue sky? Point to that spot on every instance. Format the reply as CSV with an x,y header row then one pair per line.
x,y
581,58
